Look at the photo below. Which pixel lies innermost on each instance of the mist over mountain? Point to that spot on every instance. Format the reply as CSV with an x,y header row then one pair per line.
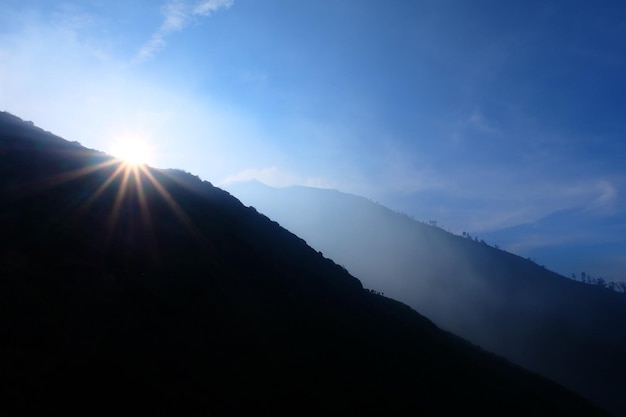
x,y
132,290
566,330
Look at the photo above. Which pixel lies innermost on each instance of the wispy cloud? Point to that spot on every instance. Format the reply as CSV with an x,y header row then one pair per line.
x,y
478,121
530,202
606,199
206,7
269,175
277,177
177,15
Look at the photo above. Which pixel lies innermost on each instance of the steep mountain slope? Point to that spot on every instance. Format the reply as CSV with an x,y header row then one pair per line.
x,y
565,330
139,291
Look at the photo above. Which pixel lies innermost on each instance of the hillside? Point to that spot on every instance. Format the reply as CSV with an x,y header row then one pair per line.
x,y
568,331
140,291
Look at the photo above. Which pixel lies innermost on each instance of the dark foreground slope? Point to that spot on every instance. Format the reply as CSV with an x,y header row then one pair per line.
x,y
568,331
154,292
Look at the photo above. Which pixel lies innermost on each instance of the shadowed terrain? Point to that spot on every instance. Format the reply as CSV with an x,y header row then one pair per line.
x,y
135,290
568,331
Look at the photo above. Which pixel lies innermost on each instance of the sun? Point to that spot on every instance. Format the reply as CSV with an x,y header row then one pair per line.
x,y
132,150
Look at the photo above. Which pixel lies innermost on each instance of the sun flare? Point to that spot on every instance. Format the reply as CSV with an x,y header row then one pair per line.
x,y
133,151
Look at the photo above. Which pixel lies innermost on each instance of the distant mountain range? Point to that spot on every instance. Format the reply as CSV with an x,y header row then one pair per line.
x,y
138,291
568,331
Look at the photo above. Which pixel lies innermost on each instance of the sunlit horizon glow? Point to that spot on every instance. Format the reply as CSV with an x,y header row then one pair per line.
x,y
133,151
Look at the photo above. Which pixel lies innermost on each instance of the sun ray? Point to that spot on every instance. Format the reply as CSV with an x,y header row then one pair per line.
x,y
146,217
176,208
77,173
60,179
119,199
131,180
102,187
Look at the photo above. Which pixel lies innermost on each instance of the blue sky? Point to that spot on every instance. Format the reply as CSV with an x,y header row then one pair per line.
x,y
495,117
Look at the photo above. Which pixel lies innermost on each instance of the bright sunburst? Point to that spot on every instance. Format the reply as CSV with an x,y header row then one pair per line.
x,y
133,151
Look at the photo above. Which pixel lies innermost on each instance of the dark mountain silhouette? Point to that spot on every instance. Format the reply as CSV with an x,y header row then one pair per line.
x,y
144,291
568,331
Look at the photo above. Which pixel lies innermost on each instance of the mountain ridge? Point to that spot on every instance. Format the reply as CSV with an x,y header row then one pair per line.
x,y
142,290
500,301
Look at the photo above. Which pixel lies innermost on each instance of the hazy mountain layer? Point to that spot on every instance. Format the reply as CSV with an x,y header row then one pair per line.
x,y
139,291
571,332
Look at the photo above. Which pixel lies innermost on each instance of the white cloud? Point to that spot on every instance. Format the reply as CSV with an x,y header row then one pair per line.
x,y
177,15
319,182
206,7
478,121
272,176
277,177
606,197
507,203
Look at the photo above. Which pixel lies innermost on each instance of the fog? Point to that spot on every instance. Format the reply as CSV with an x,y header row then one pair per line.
x,y
409,261
497,300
